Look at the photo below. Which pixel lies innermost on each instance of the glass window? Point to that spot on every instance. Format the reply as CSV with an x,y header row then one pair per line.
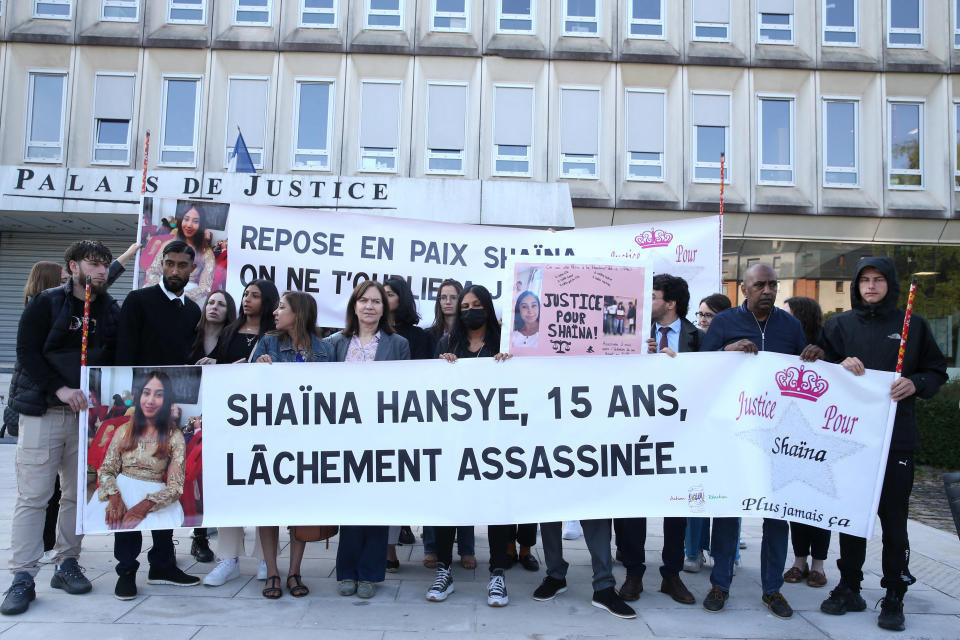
x,y
776,140
906,147
905,23
516,16
580,18
384,14
450,15
711,20
645,112
711,143
53,9
313,122
187,11
775,21
318,14
956,126
252,12
956,24
45,112
114,96
247,113
120,10
579,132
180,122
379,126
841,143
711,136
446,127
512,130
646,19
840,23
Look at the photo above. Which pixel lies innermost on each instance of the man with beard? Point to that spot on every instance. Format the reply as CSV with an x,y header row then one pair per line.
x,y
157,327
46,391
756,325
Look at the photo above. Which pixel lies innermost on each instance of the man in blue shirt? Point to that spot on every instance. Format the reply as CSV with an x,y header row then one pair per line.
x,y
756,325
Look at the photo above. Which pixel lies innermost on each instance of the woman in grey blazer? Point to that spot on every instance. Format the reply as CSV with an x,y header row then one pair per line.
x,y
368,336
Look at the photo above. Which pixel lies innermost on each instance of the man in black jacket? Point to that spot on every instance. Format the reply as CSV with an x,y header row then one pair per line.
x,y
157,327
46,391
868,337
671,333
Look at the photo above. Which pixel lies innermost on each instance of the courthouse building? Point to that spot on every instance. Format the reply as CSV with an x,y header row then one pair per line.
x,y
839,118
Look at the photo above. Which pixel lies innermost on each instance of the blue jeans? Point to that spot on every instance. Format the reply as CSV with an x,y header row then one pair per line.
x,y
465,540
362,553
773,552
698,537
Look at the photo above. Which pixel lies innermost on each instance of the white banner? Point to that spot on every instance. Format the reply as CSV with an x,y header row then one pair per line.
x,y
526,440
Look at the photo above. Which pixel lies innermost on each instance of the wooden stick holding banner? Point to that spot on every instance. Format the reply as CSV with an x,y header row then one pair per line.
x,y
146,155
720,248
86,324
906,325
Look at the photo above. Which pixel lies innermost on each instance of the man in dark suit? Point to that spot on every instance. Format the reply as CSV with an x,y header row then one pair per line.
x,y
671,333
157,327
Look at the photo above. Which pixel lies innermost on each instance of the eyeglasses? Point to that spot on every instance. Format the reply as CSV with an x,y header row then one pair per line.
x,y
707,316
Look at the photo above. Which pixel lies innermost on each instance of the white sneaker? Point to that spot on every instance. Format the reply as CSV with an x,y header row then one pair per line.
x,y
442,585
693,565
736,564
497,590
262,571
743,543
572,530
48,557
227,570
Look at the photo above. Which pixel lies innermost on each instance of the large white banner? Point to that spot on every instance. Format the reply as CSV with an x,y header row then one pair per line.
x,y
529,440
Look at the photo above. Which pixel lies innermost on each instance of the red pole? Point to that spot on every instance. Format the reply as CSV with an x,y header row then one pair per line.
x,y
906,325
86,324
146,155
722,174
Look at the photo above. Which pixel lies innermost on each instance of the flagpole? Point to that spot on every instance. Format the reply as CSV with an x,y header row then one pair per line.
x,y
720,252
146,155
906,326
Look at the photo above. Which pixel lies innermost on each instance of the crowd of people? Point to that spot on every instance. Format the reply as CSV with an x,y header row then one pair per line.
x,y
141,478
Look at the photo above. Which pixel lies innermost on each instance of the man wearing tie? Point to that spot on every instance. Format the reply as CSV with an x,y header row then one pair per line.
x,y
671,333
157,327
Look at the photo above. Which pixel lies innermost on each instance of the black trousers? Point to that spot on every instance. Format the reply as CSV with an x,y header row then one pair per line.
x,y
809,540
524,534
128,544
498,536
632,540
894,503
50,519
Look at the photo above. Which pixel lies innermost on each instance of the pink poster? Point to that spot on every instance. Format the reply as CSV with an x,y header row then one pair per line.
x,y
571,308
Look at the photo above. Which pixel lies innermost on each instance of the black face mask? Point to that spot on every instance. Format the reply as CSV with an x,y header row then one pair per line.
x,y
473,319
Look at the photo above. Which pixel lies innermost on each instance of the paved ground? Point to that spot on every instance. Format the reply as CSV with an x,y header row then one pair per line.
x,y
237,610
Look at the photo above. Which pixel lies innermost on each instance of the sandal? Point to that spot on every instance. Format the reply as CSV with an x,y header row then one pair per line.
x,y
298,590
272,589
468,561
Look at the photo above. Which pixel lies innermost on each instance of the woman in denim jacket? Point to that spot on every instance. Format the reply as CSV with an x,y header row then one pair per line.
x,y
295,340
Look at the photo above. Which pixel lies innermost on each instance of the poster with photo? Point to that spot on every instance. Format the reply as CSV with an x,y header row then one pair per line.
x,y
576,307
150,455
202,225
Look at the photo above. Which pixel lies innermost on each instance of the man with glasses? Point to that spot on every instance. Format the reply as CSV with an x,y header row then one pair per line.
x,y
756,325
46,391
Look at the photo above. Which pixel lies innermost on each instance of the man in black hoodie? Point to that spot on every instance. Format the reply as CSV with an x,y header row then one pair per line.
x,y
868,337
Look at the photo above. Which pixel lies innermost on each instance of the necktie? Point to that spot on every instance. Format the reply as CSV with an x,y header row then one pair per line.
x,y
663,339
178,303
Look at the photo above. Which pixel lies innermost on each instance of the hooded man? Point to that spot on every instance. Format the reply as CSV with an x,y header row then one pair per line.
x,y
868,337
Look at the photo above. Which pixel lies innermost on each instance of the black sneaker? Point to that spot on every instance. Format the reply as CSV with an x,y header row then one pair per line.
x,y
69,577
171,575
126,588
609,600
841,600
550,588
891,612
200,549
715,600
406,536
778,605
20,594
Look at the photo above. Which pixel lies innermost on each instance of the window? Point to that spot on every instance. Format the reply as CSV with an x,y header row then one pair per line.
x,y
53,9
112,114
47,97
446,127
711,136
956,126
379,126
512,130
516,16
841,143
450,15
580,18
841,19
775,21
247,111
775,125
119,10
253,12
180,121
383,14
318,14
904,20
711,20
838,288
906,149
314,121
187,11
956,24
645,135
579,132
646,19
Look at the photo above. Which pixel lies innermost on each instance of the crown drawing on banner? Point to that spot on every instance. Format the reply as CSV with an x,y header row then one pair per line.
x,y
801,383
654,238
